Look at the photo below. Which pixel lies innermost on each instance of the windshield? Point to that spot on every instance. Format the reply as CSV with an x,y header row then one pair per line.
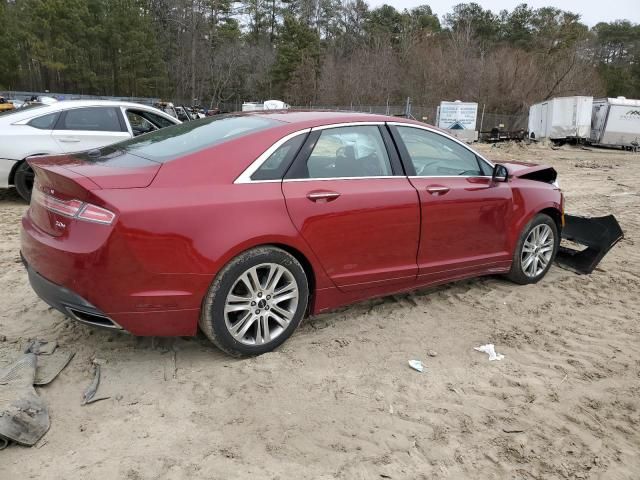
x,y
172,142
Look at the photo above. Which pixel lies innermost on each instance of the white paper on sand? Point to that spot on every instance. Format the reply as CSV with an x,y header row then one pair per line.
x,y
416,365
491,350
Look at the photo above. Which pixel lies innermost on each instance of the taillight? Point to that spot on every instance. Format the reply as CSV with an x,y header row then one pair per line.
x,y
73,208
93,213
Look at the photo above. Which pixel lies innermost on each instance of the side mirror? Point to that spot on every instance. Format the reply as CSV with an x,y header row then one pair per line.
x,y
500,173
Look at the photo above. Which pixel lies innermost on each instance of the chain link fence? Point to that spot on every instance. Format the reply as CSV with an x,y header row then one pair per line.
x,y
485,121
20,95
427,114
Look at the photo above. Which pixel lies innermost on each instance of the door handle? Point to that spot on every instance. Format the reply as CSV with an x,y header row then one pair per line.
x,y
437,190
322,196
69,140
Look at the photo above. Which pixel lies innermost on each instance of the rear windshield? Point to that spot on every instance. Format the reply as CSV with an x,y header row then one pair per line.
x,y
172,142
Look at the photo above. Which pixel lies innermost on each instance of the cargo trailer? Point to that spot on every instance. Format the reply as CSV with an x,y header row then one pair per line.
x,y
561,119
267,105
616,123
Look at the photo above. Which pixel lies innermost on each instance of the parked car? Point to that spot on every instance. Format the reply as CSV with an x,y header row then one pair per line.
x,y
6,105
67,127
243,224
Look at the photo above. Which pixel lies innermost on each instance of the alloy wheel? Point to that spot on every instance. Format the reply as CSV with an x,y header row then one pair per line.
x,y
537,250
261,304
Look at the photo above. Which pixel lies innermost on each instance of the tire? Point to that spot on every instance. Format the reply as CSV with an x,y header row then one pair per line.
x,y
533,255
23,180
236,312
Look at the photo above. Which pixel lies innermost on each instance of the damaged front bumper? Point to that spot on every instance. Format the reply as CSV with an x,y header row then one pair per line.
x,y
597,234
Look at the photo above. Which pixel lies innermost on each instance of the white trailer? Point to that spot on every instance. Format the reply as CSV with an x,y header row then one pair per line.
x,y
267,105
458,119
616,122
561,118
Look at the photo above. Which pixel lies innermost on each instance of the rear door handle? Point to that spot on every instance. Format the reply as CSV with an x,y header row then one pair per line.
x,y
69,140
437,190
322,196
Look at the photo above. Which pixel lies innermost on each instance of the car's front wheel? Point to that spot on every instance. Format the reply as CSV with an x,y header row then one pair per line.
x,y
23,180
535,251
256,302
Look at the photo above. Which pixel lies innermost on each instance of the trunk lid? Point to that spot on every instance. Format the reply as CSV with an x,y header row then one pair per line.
x,y
106,168
66,182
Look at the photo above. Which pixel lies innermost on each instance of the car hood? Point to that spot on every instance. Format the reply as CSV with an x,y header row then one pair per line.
x,y
531,171
518,169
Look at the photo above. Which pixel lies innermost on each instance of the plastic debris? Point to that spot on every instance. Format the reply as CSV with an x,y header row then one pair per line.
x,y
24,417
416,365
41,347
50,366
490,349
89,395
91,390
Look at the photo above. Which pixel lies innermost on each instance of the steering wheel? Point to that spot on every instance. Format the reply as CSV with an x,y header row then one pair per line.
x,y
424,167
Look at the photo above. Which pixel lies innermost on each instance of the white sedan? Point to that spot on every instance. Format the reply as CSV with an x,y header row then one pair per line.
x,y
68,127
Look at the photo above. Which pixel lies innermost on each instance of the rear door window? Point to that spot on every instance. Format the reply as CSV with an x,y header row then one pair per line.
x,y
347,152
45,122
275,166
94,119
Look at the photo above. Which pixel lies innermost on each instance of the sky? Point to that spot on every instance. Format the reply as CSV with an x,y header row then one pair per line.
x,y
591,11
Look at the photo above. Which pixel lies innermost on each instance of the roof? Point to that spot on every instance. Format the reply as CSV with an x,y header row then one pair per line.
x,y
311,118
21,114
628,102
63,104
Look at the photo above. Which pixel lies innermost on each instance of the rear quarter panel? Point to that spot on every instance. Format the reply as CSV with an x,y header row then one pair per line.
x,y
193,219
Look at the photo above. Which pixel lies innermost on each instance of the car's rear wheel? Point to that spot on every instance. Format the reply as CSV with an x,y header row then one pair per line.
x,y
23,180
535,251
255,302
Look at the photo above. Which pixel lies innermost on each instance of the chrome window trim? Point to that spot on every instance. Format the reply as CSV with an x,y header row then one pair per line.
x,y
245,176
449,176
346,124
445,135
341,178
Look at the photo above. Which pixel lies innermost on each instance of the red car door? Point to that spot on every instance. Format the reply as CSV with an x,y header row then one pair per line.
x,y
465,214
347,196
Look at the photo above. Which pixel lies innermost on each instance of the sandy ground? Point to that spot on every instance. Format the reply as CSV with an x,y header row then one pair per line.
x,y
338,400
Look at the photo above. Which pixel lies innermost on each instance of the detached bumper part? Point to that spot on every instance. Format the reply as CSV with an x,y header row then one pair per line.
x,y
598,234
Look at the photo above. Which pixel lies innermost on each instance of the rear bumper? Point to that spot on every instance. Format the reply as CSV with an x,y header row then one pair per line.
x,y
166,323
67,302
92,276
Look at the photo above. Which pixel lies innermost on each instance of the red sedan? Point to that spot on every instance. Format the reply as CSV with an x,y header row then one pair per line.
x,y
243,224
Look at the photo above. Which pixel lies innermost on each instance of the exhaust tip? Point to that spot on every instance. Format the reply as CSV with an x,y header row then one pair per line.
x,y
94,319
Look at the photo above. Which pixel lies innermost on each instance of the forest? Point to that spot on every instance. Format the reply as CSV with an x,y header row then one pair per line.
x,y
313,52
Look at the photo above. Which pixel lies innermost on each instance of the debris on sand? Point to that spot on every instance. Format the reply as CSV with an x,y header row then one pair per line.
x,y
91,390
416,365
24,416
89,395
490,350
